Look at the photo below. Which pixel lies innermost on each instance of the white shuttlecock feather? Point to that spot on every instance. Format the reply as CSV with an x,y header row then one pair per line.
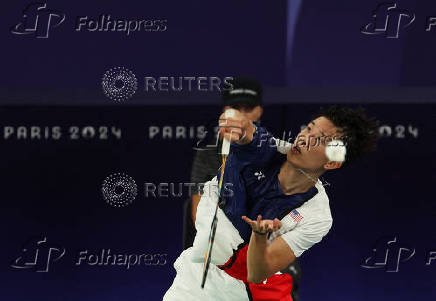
x,y
336,151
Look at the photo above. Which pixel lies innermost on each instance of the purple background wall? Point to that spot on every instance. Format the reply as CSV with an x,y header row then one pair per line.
x,y
306,54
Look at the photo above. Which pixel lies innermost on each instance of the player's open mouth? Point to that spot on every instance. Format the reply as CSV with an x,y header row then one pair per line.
x,y
295,150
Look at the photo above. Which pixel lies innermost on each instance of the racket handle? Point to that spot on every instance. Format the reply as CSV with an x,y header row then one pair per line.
x,y
225,150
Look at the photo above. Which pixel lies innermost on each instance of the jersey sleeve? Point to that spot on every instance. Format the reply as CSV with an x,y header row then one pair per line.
x,y
227,237
303,237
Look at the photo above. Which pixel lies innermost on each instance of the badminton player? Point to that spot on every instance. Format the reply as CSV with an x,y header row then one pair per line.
x,y
277,210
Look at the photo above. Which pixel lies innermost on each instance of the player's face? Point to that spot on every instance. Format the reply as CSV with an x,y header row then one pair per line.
x,y
311,142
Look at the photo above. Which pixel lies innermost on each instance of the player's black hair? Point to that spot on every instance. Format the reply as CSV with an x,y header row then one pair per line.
x,y
360,133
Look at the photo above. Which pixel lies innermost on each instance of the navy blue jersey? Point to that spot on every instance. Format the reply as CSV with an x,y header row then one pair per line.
x,y
251,174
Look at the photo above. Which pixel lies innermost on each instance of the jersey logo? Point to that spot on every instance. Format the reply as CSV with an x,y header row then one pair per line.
x,y
295,215
259,175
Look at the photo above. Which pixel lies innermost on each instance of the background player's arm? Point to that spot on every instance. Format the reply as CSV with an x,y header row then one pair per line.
x,y
203,169
197,176
195,199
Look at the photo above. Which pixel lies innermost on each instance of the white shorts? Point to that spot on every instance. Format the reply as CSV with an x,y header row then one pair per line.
x,y
219,285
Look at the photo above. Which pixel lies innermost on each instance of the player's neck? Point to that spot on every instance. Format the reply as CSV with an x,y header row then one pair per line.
x,y
293,180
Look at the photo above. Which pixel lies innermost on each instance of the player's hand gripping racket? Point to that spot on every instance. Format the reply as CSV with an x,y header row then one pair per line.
x,y
224,152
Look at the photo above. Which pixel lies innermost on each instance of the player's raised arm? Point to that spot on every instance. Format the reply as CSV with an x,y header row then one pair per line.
x,y
237,128
250,143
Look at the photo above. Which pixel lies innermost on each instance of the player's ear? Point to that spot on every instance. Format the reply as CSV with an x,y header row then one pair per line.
x,y
259,112
332,165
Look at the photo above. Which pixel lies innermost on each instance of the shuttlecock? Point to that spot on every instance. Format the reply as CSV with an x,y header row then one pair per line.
x,y
336,150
